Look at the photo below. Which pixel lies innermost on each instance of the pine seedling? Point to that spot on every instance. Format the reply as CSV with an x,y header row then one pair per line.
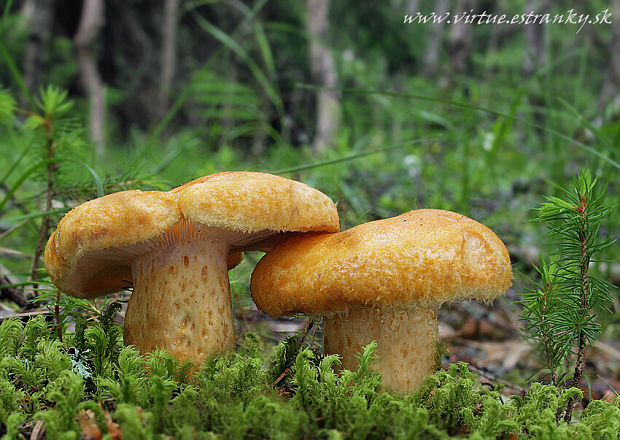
x,y
561,312
51,136
65,310
540,305
284,359
46,178
49,123
285,354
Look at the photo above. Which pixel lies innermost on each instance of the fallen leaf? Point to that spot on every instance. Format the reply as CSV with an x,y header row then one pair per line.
x,y
87,422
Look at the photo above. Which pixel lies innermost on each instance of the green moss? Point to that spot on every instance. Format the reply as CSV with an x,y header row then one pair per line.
x,y
441,350
231,396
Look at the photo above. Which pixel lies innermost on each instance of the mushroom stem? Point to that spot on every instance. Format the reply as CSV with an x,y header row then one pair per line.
x,y
181,299
406,342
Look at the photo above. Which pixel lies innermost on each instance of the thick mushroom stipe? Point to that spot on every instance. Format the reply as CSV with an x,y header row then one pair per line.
x,y
407,342
370,280
175,247
181,299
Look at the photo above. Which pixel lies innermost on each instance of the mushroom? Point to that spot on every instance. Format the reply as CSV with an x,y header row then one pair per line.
x,y
384,281
174,248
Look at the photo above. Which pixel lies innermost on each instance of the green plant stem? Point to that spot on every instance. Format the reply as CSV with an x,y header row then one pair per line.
x,y
583,272
57,316
45,222
546,337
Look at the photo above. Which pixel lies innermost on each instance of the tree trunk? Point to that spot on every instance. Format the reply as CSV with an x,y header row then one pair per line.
x,y
40,17
168,54
324,74
460,36
434,38
611,83
412,6
534,34
91,21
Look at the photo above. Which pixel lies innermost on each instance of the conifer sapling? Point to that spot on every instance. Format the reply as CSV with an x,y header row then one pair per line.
x,y
560,313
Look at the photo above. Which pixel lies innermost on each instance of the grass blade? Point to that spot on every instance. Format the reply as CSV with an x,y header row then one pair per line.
x,y
471,107
229,42
15,165
33,215
347,158
185,93
599,135
98,182
23,177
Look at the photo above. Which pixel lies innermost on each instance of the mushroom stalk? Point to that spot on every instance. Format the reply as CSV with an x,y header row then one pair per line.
x,y
181,299
407,342
173,247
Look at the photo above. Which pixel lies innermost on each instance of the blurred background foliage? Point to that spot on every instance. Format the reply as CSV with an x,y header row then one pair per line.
x,y
381,115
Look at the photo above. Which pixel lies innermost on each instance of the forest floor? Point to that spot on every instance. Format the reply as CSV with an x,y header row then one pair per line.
x,y
487,337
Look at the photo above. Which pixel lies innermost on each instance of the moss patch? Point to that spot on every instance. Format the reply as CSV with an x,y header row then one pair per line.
x,y
94,385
